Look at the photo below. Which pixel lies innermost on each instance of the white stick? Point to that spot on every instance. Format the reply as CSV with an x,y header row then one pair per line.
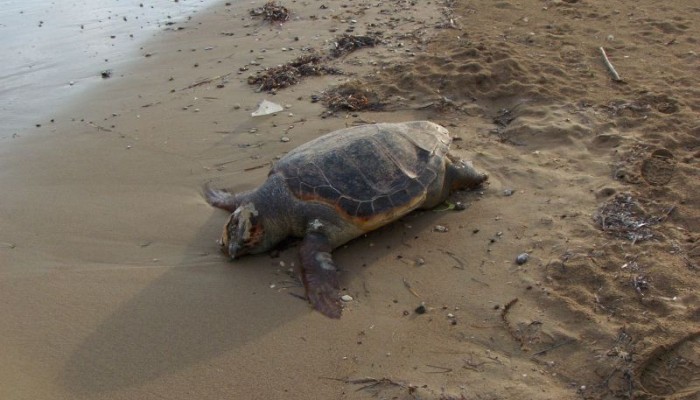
x,y
615,75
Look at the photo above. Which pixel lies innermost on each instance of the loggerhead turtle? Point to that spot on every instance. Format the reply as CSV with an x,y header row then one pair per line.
x,y
338,187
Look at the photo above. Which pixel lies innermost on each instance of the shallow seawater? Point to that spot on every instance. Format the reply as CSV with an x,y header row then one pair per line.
x,y
53,50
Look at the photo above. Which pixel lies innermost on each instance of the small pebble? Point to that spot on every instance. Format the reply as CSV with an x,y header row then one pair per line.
x,y
459,206
440,228
420,309
284,139
508,192
346,297
522,258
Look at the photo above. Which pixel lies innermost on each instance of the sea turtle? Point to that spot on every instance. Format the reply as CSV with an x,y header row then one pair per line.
x,y
338,187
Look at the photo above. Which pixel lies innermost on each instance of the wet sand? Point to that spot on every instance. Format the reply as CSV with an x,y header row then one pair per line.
x,y
53,51
112,285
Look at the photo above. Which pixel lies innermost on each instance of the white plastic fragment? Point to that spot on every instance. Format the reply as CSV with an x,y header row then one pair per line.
x,y
267,108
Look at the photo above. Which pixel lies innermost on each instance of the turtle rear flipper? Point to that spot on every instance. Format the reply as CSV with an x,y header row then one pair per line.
x,y
462,175
320,275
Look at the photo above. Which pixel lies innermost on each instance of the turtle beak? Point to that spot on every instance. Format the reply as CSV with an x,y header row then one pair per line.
x,y
233,250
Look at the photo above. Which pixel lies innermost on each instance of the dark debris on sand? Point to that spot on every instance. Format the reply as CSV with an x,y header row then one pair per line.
x,y
351,96
291,73
346,44
272,12
630,218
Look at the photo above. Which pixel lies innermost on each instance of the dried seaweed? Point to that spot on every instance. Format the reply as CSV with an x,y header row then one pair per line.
x,y
291,73
311,65
348,43
351,96
272,12
625,217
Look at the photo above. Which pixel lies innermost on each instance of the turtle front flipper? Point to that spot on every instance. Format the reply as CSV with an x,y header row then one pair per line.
x,y
320,275
220,198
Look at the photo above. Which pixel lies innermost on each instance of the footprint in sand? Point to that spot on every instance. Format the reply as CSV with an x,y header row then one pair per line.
x,y
658,168
674,370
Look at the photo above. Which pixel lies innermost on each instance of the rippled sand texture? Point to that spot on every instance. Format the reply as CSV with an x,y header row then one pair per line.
x,y
113,288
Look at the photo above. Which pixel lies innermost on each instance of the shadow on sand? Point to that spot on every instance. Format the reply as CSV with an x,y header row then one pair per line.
x,y
199,309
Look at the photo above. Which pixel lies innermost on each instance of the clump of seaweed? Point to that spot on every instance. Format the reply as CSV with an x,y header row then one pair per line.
x,y
291,73
351,96
272,12
628,218
346,44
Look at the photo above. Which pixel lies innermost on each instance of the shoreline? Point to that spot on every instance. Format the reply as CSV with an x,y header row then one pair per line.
x,y
58,51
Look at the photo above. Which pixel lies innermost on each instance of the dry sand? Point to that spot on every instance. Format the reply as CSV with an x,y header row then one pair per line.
x,y
112,286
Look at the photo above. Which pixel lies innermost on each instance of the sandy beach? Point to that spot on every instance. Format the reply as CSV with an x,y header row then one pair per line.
x,y
113,287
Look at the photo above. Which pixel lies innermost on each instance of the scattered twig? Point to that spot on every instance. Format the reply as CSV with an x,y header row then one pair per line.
x,y
506,308
480,282
473,365
442,370
298,296
454,257
288,285
613,72
372,382
255,167
205,81
556,346
629,378
606,381
98,127
510,329
410,289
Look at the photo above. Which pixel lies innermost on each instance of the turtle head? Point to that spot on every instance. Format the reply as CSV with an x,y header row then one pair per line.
x,y
244,232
